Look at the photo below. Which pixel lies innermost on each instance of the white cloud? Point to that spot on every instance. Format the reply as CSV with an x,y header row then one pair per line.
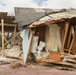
x,y
22,3
10,4
59,4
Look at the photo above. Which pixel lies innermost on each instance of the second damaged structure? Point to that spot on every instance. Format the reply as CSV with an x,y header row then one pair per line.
x,y
48,34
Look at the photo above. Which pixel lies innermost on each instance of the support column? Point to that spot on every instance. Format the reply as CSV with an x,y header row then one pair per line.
x,y
65,35
2,22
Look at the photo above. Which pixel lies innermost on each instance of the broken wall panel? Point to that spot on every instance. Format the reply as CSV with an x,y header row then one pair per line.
x,y
26,43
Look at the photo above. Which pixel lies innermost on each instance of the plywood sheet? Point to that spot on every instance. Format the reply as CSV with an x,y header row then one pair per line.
x,y
55,56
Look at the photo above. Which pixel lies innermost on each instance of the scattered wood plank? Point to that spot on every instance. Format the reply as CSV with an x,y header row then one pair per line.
x,y
72,60
60,63
64,68
4,62
13,57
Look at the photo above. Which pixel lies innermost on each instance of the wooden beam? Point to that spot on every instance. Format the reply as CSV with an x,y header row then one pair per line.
x,y
2,22
13,25
69,37
42,23
72,33
65,35
15,30
71,44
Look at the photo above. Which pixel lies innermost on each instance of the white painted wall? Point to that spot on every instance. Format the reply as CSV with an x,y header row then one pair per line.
x,y
52,38
26,42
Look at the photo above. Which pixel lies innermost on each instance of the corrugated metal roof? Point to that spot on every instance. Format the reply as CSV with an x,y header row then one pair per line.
x,y
25,16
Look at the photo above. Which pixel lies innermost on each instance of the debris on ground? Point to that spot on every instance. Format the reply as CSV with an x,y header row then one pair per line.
x,y
16,65
49,41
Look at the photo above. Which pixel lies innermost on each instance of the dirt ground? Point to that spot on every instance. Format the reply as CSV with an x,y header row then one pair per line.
x,y
34,70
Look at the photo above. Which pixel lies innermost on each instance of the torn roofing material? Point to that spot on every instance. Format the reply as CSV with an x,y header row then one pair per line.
x,y
26,16
53,18
32,17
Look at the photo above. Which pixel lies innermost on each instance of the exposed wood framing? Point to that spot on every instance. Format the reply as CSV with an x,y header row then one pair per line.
x,y
12,38
2,22
15,34
69,37
42,23
71,43
13,25
65,35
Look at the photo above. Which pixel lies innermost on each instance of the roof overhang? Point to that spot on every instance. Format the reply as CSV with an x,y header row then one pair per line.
x,y
53,18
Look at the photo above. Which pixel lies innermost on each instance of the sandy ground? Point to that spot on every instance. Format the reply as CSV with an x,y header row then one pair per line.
x,y
34,70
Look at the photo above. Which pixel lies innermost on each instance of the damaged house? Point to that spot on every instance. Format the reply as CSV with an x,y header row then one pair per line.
x,y
47,34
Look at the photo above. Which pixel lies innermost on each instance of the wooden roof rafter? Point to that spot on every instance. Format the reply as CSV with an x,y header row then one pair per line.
x,y
42,23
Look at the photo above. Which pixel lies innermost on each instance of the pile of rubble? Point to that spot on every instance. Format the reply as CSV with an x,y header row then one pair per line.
x,y
13,52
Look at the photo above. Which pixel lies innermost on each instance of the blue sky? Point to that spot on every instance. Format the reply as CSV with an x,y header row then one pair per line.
x,y
8,5
39,2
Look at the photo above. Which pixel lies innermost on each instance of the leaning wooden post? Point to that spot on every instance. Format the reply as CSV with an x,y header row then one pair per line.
x,y
2,22
65,35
